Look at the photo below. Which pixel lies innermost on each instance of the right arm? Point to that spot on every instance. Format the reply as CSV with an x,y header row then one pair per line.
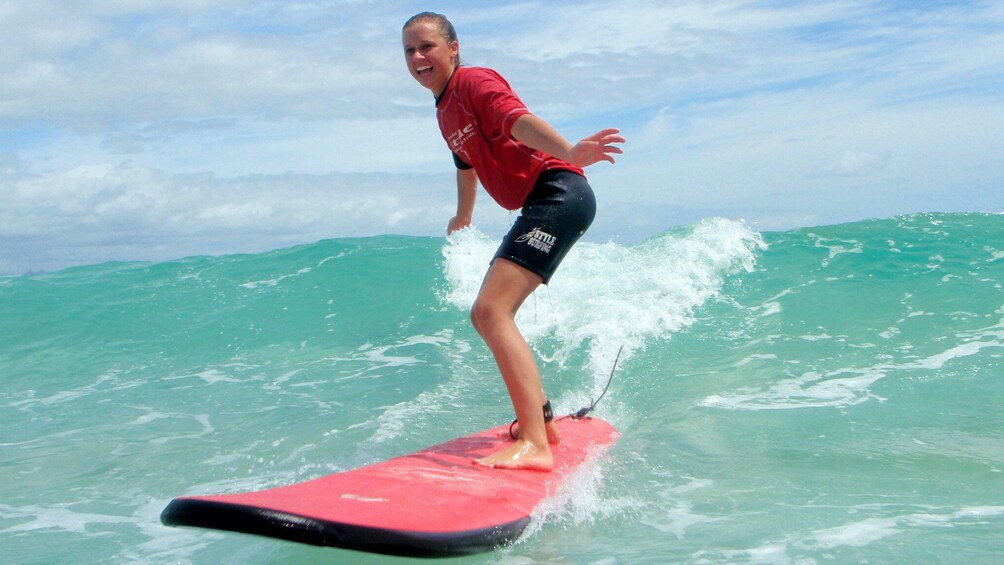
x,y
467,190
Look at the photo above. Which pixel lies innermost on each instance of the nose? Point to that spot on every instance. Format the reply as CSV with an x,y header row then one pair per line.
x,y
415,61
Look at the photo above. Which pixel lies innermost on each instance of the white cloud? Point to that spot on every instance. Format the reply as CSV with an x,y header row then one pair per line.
x,y
124,62
106,212
144,130
851,163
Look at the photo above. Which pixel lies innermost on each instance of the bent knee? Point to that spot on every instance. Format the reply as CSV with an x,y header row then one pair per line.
x,y
485,316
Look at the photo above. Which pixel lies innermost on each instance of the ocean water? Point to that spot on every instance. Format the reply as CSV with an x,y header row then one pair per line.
x,y
822,395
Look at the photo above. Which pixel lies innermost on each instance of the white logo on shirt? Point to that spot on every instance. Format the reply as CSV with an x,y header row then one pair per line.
x,y
459,137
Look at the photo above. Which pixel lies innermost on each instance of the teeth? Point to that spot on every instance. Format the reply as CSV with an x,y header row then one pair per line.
x,y
423,69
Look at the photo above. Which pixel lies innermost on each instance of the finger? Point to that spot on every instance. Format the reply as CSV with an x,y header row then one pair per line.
x,y
602,134
606,132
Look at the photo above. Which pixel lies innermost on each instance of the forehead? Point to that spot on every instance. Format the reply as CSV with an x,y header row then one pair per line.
x,y
422,32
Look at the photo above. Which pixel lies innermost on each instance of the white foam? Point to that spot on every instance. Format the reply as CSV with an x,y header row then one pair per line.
x,y
608,295
163,544
210,376
274,282
800,548
863,532
379,358
756,356
578,500
59,517
836,247
394,421
72,394
849,385
676,514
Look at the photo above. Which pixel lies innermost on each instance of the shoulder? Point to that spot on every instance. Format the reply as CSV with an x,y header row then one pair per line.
x,y
480,77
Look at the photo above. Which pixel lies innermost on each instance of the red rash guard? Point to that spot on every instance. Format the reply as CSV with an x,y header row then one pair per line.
x,y
476,113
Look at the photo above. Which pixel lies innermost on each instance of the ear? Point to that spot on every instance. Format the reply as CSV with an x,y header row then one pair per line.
x,y
455,51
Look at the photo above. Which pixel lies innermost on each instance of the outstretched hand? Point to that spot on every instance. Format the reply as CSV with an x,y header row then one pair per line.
x,y
596,148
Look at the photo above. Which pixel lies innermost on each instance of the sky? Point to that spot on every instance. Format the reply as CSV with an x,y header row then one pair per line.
x,y
152,130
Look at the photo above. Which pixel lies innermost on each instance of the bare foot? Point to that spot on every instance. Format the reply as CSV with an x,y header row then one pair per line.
x,y
553,434
520,455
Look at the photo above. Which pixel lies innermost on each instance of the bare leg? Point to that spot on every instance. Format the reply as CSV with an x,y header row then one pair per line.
x,y
505,288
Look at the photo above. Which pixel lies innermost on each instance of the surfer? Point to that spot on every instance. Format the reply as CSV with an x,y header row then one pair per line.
x,y
525,163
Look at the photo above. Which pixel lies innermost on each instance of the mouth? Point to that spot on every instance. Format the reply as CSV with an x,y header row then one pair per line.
x,y
423,70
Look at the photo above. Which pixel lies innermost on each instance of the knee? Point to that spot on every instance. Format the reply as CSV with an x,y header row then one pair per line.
x,y
478,316
485,316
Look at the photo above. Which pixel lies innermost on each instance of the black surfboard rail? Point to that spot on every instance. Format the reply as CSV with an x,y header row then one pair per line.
x,y
192,511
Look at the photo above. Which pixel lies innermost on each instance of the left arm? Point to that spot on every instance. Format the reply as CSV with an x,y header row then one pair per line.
x,y
467,189
538,134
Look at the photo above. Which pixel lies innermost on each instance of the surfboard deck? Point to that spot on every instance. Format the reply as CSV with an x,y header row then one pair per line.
x,y
434,502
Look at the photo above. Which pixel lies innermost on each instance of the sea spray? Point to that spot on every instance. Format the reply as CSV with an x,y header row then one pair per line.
x,y
605,296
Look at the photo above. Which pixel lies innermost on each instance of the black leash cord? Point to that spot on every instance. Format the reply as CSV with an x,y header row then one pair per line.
x,y
582,411
586,410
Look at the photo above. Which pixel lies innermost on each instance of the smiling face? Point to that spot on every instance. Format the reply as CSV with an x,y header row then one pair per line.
x,y
430,57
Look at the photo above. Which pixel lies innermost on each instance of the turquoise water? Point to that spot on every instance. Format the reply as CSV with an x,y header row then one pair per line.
x,y
823,395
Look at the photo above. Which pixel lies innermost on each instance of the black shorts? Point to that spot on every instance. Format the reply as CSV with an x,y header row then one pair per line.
x,y
555,215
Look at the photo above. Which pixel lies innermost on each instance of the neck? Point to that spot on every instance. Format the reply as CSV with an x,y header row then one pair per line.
x,y
446,84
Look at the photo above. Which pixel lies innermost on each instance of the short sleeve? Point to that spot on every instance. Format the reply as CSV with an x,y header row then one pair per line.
x,y
499,106
460,163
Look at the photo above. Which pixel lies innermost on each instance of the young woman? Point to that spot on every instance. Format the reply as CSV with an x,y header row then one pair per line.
x,y
523,163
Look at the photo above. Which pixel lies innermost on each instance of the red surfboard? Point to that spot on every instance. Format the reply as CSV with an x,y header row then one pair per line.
x,y
433,502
